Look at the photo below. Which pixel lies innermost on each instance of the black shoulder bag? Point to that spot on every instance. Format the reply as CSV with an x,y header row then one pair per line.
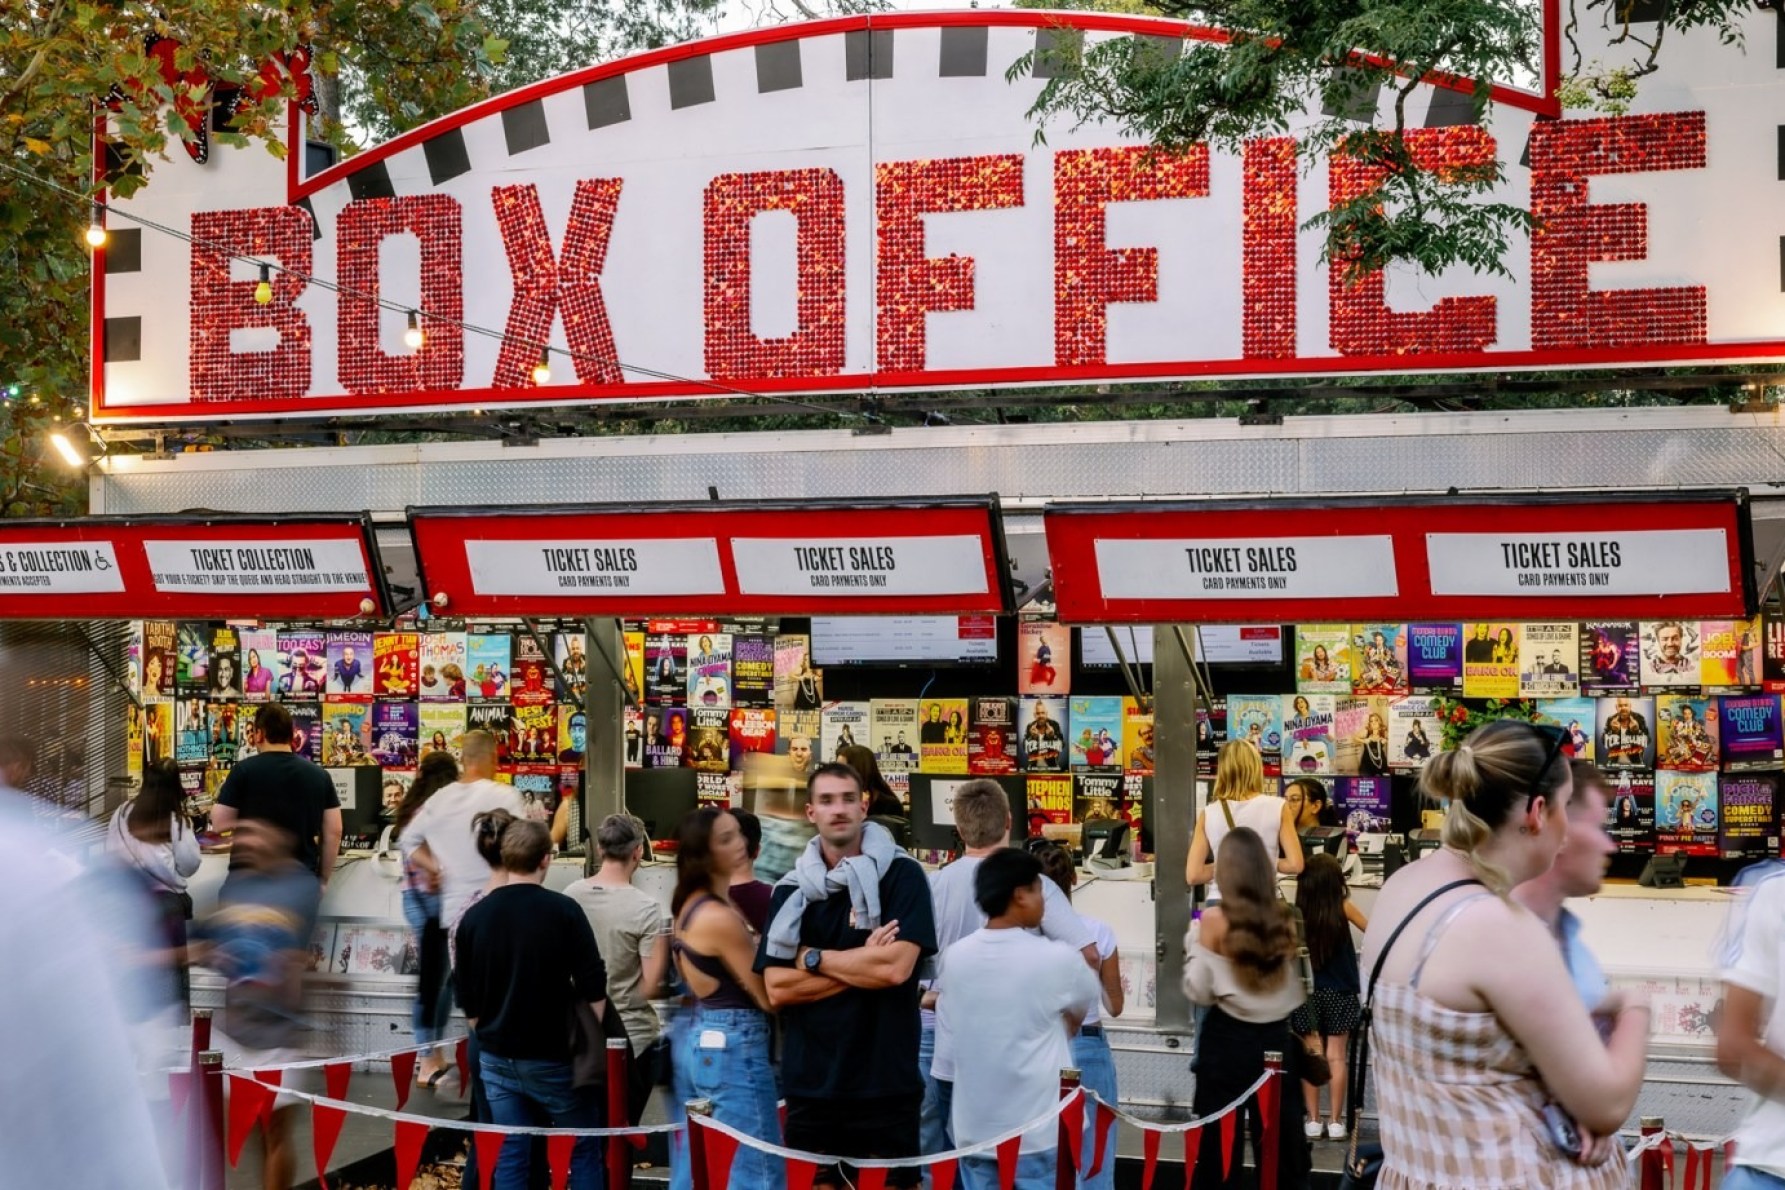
x,y
1364,1164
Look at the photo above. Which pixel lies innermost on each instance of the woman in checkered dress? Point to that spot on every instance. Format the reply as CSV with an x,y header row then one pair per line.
x,y
1477,1031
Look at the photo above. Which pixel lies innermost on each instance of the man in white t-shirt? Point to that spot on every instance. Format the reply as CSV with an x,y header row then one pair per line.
x,y
982,819
1011,1000
440,834
1751,1033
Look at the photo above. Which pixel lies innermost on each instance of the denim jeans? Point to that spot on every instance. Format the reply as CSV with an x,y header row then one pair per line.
x,y
532,1092
433,993
1096,1072
1034,1171
933,1119
1740,1177
739,1080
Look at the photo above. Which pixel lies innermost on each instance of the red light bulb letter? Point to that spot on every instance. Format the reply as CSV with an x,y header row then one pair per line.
x,y
434,220
1267,248
221,305
544,285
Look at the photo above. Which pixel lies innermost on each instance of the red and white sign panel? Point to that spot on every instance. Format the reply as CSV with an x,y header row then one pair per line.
x,y
193,568
715,559
1457,558
800,239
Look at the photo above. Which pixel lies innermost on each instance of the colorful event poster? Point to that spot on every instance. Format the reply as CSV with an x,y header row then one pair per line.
x,y
1043,657
441,728
1360,736
712,789
1549,660
396,731
1050,799
442,666
666,668
666,737
1579,717
1435,656
160,659
1772,659
346,734
1686,816
1729,655
1380,652
1323,661
489,656
349,665
844,724
797,684
751,730
497,718
892,730
192,735
1257,719
193,671
709,671
306,730
396,664
1670,653
1688,733
536,733
1626,733
531,683
303,665
1490,661
539,790
223,678
573,732
1750,730
1414,731
260,661
1096,735
226,724
1609,650
158,731
1211,733
570,661
752,669
799,735
942,736
1363,804
1308,733
1044,724
632,673
632,736
1097,795
1632,810
1748,805
992,737
1137,737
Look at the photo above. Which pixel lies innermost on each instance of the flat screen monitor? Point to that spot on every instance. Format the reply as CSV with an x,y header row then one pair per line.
x,y
1105,838
904,640
932,813
1216,644
661,798
1331,839
360,790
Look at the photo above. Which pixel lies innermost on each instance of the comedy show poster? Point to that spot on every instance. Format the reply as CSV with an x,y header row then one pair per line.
x,y
1686,815
992,737
1689,728
396,664
1257,719
1579,717
1750,815
1044,657
1435,656
1323,660
1631,814
1549,657
1380,654
1627,733
1490,661
1751,731
1608,657
1729,656
1308,733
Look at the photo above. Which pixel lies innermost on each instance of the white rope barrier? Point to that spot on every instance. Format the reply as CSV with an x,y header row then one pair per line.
x,y
1188,1125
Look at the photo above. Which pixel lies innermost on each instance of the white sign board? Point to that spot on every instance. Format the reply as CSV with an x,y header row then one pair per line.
x,y
266,567
1618,562
60,568
861,566
1249,568
671,566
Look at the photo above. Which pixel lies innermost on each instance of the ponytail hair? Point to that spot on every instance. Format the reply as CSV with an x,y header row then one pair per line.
x,y
488,829
1260,931
1486,782
1239,771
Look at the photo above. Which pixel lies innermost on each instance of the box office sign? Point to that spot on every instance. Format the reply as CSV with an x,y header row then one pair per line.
x,y
1635,556
116,568
796,241
886,558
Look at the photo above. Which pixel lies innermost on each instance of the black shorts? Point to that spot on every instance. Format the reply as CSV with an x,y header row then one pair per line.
x,y
881,1128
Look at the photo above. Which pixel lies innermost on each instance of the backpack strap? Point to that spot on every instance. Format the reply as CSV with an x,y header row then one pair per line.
x,y
1226,812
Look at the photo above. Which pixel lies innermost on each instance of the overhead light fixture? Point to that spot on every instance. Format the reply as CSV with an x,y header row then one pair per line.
x,y
542,371
413,335
96,227
77,445
263,292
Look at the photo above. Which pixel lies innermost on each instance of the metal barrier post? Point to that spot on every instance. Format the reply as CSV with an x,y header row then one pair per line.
x,y
1651,1174
619,1113
208,1112
697,1142
1065,1169
1270,1111
201,1033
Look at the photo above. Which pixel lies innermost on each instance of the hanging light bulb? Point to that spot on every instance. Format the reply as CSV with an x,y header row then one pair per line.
x,y
263,292
96,228
542,371
413,335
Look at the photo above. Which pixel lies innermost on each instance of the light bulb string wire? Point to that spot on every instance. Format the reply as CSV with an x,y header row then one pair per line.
x,y
384,303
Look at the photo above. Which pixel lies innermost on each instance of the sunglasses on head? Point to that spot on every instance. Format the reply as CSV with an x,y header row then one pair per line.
x,y
1556,741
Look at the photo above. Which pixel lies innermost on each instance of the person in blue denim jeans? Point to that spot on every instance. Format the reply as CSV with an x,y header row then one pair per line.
x,y
421,909
721,1049
526,954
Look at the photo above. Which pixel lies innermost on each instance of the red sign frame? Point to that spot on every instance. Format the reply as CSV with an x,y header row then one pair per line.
x,y
141,599
1074,529
441,537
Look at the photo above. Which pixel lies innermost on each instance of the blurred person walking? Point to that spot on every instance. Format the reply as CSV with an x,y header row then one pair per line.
x,y
151,835
439,839
1579,871
421,909
748,893
277,786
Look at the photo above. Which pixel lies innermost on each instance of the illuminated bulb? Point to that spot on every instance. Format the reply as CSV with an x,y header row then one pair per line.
x,y
542,371
66,448
95,231
413,336
263,292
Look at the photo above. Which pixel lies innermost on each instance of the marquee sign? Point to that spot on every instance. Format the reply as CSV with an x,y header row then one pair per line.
x,y
861,202
1456,558
881,558
192,567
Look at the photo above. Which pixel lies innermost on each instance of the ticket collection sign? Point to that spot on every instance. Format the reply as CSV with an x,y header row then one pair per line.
x,y
1641,556
218,567
883,558
797,241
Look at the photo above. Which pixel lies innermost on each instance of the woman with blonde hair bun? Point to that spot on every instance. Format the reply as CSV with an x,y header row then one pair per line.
x,y
1237,800
1489,1072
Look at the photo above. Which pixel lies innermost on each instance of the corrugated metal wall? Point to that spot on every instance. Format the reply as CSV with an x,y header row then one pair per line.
x,y
64,697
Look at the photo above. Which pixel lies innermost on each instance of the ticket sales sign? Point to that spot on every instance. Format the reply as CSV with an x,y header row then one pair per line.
x,y
211,567
1635,556
715,559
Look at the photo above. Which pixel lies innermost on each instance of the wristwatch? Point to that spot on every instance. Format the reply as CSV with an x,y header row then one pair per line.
x,y
812,959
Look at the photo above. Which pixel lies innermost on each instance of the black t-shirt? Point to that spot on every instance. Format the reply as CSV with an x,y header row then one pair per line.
x,y
858,1044
523,952
286,790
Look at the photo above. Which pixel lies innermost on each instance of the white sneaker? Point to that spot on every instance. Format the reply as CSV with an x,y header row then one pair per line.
x,y
1335,1132
1311,1129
